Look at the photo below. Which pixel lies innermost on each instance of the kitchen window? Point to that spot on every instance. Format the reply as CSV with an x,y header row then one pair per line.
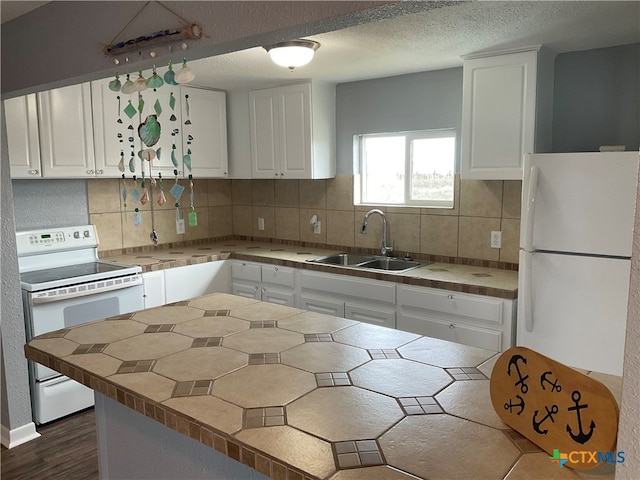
x,y
408,168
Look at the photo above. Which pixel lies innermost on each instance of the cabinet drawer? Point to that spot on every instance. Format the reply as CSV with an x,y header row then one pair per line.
x,y
246,271
325,305
372,290
453,303
278,275
377,316
453,332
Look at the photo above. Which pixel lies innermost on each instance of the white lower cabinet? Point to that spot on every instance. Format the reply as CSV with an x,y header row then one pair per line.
x,y
355,298
270,283
475,320
153,288
183,283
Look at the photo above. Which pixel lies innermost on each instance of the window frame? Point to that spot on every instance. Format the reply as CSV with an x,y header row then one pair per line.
x,y
409,137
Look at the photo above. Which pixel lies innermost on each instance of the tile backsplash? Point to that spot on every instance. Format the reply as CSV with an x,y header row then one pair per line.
x,y
233,207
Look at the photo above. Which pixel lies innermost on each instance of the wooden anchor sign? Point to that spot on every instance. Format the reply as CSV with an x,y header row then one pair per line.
x,y
554,406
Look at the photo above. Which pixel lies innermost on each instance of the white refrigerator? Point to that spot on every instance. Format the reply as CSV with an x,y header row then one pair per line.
x,y
576,238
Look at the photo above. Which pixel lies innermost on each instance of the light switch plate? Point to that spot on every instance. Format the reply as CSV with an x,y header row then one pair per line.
x,y
180,226
316,228
261,224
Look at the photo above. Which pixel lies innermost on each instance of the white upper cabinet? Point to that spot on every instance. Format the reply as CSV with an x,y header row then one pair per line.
x,y
23,139
293,131
499,113
208,117
66,132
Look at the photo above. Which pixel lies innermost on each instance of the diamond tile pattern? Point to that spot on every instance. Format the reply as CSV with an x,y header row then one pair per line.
x,y
337,379
259,383
358,453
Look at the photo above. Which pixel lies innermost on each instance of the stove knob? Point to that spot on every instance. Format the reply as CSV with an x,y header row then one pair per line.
x,y
76,234
87,234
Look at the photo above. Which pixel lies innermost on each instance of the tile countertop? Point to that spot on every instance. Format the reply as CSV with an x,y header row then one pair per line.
x,y
296,394
449,276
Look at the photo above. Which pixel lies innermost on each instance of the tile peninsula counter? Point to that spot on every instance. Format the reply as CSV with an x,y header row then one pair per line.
x,y
222,386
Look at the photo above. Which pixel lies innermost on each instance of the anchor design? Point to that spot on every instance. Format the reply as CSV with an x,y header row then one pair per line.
x,y
514,362
554,385
549,415
581,437
509,406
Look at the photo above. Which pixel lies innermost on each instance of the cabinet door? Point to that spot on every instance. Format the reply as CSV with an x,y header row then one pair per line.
x,y
108,147
23,141
153,283
498,115
295,131
263,122
377,316
208,116
66,132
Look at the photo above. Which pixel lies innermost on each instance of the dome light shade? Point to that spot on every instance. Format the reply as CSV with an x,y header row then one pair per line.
x,y
292,54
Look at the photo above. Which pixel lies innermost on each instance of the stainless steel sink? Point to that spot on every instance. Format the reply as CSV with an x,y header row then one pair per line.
x,y
346,259
368,262
390,264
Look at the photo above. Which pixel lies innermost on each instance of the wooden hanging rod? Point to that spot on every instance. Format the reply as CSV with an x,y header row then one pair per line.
x,y
192,31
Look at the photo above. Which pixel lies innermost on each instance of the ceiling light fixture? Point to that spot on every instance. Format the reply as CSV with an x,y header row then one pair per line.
x,y
293,53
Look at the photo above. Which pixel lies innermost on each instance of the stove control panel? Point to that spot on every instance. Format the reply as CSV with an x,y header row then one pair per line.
x,y
56,239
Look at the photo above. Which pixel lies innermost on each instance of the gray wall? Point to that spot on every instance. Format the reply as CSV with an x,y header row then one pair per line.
x,y
418,101
50,203
16,401
597,99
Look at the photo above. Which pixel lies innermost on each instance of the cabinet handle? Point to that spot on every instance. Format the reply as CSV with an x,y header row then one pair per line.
x,y
450,297
451,325
264,290
275,269
90,172
256,288
98,172
34,172
226,173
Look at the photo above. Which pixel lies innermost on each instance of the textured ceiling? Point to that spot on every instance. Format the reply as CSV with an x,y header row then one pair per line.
x,y
435,39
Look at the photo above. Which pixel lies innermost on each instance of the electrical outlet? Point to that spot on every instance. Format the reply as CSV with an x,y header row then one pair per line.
x,y
261,224
316,228
496,239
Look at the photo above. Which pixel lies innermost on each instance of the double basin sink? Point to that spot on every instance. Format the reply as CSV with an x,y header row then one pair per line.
x,y
369,262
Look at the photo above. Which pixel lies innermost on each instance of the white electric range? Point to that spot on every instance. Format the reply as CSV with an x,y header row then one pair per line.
x,y
64,284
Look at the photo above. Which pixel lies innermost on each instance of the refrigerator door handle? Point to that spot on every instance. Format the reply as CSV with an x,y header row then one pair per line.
x,y
530,209
525,294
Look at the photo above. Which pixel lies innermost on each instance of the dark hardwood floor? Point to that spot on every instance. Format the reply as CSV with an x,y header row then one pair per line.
x,y
66,449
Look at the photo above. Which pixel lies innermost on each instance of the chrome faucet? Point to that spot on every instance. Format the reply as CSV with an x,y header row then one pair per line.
x,y
384,248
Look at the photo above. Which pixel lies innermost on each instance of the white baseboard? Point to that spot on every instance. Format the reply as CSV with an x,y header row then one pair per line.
x,y
18,436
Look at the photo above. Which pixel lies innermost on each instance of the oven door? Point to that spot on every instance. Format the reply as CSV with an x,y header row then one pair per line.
x,y
69,311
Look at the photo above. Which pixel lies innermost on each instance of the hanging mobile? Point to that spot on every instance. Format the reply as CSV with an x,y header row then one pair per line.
x,y
124,196
135,194
193,217
176,191
162,199
137,218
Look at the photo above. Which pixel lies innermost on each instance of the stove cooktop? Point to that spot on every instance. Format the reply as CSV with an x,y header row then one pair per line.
x,y
72,274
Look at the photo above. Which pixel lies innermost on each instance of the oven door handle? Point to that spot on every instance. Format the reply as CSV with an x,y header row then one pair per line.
x,y
35,300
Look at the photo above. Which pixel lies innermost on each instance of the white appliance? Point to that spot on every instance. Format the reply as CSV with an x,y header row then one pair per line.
x,y
64,284
575,256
